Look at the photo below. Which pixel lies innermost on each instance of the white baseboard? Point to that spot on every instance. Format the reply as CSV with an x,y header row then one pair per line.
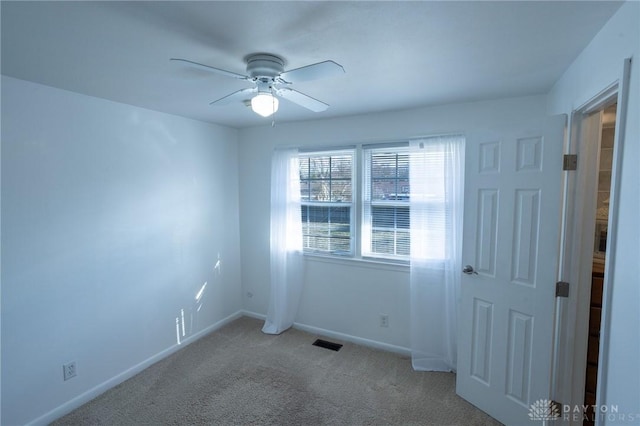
x,y
87,396
340,336
353,339
254,315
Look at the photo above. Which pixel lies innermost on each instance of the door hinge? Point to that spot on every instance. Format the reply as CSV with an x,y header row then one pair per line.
x,y
562,289
570,162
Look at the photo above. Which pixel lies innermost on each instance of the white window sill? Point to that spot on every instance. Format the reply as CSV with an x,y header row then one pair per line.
x,y
367,262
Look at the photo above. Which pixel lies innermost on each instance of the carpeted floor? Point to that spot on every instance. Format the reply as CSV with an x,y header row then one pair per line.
x,y
240,376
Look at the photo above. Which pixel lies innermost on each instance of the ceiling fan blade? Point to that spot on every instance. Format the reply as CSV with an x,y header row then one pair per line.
x,y
211,69
301,99
312,72
235,96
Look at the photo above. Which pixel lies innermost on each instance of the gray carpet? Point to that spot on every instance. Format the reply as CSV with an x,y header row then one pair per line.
x,y
240,376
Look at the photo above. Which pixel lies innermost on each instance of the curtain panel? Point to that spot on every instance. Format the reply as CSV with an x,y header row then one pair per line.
x,y
436,208
286,242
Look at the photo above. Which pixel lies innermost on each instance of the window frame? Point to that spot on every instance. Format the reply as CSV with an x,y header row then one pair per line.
x,y
357,224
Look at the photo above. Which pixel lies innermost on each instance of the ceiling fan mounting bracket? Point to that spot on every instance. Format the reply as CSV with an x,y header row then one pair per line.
x,y
265,85
264,65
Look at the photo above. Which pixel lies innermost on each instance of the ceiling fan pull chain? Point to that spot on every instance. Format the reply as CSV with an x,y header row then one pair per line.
x,y
273,104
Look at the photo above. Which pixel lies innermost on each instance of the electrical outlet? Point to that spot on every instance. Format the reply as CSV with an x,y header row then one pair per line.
x,y
384,320
69,370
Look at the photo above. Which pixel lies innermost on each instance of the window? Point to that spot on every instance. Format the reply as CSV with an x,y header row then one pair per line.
x,y
326,192
385,219
358,202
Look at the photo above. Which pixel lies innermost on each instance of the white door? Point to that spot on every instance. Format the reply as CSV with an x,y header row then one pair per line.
x,y
511,232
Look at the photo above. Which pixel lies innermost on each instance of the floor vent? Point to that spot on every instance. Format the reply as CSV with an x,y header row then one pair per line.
x,y
327,345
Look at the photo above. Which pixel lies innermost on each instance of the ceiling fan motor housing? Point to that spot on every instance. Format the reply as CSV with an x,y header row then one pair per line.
x,y
264,65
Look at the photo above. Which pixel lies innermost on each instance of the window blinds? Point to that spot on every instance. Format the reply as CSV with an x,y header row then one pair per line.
x,y
386,193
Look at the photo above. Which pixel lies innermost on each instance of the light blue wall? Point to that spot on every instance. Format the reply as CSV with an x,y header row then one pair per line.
x,y
113,218
598,66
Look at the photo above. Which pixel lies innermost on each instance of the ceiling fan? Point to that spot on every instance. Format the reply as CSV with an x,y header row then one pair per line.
x,y
266,72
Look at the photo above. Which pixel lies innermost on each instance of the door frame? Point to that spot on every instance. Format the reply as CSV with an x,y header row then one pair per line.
x,y
572,313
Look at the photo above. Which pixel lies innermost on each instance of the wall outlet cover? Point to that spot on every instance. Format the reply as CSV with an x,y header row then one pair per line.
x,y
69,370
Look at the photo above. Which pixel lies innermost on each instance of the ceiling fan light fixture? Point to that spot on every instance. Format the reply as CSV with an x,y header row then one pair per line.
x,y
264,104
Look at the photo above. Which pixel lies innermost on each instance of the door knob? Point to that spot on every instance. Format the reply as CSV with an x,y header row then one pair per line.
x,y
468,269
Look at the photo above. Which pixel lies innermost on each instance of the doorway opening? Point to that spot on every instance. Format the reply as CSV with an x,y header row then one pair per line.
x,y
607,120
588,250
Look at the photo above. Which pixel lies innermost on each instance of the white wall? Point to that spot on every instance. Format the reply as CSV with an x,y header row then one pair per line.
x,y
599,65
113,218
342,296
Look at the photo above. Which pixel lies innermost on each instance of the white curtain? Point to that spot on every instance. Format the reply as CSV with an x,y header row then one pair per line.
x,y
286,242
436,205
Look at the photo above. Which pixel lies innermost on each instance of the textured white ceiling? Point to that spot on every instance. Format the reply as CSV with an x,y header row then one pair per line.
x,y
396,54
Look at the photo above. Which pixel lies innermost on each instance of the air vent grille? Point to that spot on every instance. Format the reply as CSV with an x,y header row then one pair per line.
x,y
327,345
